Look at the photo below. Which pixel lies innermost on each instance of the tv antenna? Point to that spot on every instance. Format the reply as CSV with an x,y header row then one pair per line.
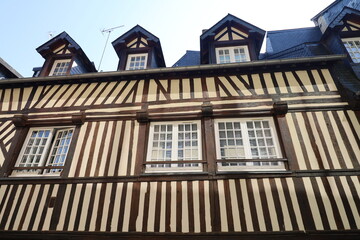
x,y
108,31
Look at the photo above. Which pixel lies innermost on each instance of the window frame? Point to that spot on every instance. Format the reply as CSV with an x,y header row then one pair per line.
x,y
174,157
128,61
353,39
54,67
232,53
247,148
44,163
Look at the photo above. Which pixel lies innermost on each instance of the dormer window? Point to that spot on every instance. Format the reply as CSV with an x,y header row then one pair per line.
x,y
352,45
60,67
232,54
136,61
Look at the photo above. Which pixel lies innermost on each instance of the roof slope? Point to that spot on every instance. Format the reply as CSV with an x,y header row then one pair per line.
x,y
7,71
278,41
190,58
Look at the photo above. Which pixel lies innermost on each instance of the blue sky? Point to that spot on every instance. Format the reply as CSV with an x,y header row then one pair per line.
x,y
25,25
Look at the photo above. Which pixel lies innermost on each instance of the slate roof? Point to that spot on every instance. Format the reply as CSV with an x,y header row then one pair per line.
x,y
278,41
6,71
332,11
190,58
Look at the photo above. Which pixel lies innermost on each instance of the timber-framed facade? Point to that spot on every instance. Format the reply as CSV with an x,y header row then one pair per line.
x,y
255,149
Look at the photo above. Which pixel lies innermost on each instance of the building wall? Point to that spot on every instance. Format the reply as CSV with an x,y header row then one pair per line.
x,y
104,193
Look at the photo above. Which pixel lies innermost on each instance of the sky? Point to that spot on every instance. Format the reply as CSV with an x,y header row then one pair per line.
x,y
26,25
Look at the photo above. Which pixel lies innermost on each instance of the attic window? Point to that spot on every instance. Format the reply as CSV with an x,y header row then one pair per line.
x,y
60,67
136,61
232,54
352,45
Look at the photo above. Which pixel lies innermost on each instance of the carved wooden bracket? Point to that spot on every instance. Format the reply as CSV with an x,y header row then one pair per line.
x,y
20,120
142,116
207,109
78,118
280,108
355,102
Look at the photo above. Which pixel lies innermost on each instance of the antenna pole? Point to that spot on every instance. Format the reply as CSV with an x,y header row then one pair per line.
x,y
107,39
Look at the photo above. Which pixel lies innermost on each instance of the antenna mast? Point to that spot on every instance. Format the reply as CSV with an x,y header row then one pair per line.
x,y
108,31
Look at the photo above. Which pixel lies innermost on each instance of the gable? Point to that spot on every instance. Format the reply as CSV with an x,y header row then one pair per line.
x,y
230,33
350,26
138,42
63,49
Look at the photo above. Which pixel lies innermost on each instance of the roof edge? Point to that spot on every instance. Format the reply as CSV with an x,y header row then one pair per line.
x,y
10,68
197,68
325,9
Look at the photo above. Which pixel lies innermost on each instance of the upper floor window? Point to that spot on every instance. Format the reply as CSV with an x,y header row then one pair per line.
x,y
173,146
232,54
136,61
44,151
60,67
352,45
247,144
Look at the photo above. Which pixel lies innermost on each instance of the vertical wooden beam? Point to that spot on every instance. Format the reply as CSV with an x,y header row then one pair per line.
x,y
209,144
287,147
142,142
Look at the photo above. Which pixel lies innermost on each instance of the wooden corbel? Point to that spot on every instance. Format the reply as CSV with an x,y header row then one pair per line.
x,y
354,103
207,109
142,116
78,118
280,108
20,120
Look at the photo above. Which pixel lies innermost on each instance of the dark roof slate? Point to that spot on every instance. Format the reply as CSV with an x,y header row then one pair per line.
x,y
190,58
6,71
278,41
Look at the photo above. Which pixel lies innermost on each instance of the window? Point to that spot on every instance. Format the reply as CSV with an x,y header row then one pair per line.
x,y
242,144
136,61
44,151
352,45
232,54
174,146
60,67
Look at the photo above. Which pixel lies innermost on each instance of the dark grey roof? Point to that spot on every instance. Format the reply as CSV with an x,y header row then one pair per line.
x,y
190,58
278,41
6,71
331,11
299,51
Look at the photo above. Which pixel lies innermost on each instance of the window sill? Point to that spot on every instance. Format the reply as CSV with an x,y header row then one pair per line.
x,y
252,172
173,174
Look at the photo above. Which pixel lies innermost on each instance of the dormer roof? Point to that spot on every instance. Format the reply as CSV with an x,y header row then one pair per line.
x,y
234,20
6,71
345,12
139,37
64,44
334,12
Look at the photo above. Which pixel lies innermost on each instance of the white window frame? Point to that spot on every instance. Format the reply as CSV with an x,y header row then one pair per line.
x,y
355,56
47,152
152,168
247,148
232,53
128,62
54,67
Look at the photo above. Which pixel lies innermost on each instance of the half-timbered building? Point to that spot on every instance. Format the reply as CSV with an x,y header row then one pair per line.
x,y
230,143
